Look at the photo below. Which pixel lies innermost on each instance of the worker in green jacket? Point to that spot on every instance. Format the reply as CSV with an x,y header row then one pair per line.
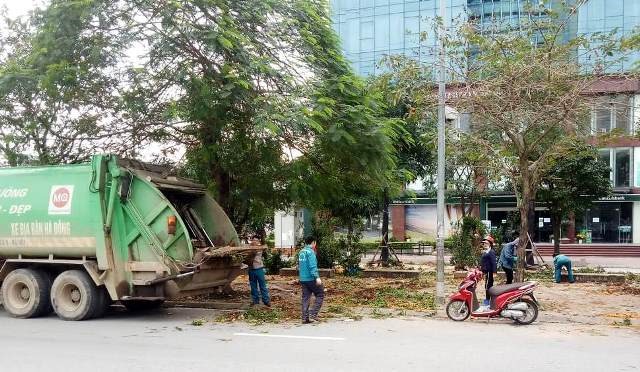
x,y
560,261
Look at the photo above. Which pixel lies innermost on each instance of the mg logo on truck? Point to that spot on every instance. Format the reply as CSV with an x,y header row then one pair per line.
x,y
60,199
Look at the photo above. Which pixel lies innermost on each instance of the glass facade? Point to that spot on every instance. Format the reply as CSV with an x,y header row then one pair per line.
x,y
608,222
605,222
371,29
501,15
604,16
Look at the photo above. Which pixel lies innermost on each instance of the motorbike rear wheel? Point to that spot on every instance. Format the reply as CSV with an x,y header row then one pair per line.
x,y
530,315
457,310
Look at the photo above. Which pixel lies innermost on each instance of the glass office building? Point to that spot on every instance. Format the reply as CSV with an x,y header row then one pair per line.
x,y
371,29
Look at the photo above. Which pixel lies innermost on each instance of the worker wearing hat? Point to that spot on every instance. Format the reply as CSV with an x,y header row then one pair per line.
x,y
488,265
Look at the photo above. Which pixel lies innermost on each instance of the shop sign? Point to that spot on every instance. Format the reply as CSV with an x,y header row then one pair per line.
x,y
613,198
404,201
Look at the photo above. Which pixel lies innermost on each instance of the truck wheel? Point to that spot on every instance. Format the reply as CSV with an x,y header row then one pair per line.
x,y
25,293
142,305
103,302
74,295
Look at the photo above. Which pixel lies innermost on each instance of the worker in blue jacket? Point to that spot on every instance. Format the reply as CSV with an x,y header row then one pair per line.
x,y
488,265
508,258
560,261
310,281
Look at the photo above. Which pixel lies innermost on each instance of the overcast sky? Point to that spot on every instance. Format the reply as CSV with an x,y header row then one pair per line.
x,y
19,7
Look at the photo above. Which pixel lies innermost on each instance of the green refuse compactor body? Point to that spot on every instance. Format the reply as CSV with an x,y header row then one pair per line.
x,y
75,238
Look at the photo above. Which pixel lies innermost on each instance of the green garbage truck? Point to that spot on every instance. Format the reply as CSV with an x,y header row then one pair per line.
x,y
75,238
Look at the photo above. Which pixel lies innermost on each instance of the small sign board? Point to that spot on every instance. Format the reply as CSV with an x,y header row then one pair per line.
x,y
487,224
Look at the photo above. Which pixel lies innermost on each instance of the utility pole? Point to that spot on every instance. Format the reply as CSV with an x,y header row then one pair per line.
x,y
441,163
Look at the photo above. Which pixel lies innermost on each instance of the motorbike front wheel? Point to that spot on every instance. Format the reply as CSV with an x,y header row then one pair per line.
x,y
457,310
530,315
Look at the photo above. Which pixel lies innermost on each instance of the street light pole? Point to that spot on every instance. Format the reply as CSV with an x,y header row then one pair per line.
x,y
441,162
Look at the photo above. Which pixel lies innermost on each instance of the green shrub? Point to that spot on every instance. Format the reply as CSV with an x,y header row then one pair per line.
x,y
465,243
351,257
336,248
448,244
369,246
273,262
271,243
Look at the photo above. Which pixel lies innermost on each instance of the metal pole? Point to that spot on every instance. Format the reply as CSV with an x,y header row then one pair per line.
x,y
441,162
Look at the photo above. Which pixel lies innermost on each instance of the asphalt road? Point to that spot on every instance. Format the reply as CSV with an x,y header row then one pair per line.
x,y
165,340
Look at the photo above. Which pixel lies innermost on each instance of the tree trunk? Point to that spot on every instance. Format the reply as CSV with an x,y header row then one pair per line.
x,y
557,223
527,190
571,230
524,240
384,253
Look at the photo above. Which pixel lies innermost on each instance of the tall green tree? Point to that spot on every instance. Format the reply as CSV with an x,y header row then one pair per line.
x,y
59,92
415,150
262,97
571,183
528,102
258,92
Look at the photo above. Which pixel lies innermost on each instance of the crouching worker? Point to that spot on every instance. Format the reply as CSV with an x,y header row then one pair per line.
x,y
310,281
560,261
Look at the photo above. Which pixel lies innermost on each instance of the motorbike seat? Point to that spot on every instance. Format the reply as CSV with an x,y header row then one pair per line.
x,y
504,288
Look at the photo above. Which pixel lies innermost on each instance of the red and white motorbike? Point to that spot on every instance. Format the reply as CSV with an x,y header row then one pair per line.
x,y
513,301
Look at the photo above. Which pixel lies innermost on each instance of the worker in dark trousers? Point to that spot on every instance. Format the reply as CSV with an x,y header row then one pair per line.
x,y
488,266
508,258
310,281
560,261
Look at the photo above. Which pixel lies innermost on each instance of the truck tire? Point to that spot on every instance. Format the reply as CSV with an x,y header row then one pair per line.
x,y
25,293
74,296
142,305
103,302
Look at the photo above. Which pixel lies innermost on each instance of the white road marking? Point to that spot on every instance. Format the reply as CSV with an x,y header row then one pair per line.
x,y
290,336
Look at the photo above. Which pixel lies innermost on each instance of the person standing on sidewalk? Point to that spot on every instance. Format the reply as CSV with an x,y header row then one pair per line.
x,y
310,281
489,266
508,258
257,280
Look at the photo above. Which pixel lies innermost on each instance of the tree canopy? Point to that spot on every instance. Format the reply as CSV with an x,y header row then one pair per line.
x,y
257,93
571,183
57,95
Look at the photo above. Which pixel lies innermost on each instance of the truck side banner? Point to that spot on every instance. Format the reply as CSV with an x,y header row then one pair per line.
x,y
48,207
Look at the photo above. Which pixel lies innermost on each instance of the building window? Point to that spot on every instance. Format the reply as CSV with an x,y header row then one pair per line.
x,y
604,155
612,113
619,160
622,167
